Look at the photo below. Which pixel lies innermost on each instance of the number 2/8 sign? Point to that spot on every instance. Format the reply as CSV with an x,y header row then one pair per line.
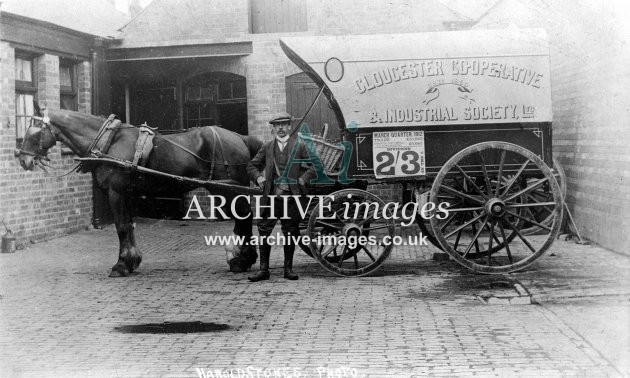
x,y
398,153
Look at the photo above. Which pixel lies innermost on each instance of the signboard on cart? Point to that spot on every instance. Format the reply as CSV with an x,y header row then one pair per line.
x,y
428,82
471,77
398,154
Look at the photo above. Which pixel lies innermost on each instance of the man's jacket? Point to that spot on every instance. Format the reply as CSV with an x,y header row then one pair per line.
x,y
263,165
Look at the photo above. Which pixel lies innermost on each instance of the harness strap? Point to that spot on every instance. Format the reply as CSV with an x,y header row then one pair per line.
x,y
144,145
217,138
105,129
103,140
108,136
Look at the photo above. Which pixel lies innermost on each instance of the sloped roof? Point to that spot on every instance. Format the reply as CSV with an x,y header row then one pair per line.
x,y
180,22
96,17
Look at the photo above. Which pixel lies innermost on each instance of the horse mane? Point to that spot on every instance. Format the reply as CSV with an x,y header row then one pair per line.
x,y
38,111
83,115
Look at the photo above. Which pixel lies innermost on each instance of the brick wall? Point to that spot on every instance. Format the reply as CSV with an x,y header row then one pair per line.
x,y
33,205
377,16
84,90
189,21
591,111
267,67
47,67
172,22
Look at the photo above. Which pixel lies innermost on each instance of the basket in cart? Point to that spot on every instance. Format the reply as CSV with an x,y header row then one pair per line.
x,y
329,154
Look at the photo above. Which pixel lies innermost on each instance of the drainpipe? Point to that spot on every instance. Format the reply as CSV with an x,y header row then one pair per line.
x,y
96,103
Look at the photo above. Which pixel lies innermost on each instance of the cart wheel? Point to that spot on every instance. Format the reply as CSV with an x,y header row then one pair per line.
x,y
372,232
425,229
458,219
544,214
424,224
496,199
304,228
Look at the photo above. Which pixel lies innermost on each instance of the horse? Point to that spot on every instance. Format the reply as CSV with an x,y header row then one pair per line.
x,y
204,153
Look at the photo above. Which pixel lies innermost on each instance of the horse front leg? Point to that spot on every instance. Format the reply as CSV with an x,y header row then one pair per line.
x,y
241,257
129,256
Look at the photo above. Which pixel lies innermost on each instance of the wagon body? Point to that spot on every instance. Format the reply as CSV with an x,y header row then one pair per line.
x,y
464,118
446,90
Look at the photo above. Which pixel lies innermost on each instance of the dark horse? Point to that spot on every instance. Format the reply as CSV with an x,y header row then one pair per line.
x,y
192,154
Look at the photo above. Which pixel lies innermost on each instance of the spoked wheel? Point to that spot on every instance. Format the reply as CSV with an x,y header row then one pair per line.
x,y
347,241
325,230
304,227
425,224
484,228
544,214
457,219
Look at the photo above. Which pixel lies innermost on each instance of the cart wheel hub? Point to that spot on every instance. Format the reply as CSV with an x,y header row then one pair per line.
x,y
352,229
495,207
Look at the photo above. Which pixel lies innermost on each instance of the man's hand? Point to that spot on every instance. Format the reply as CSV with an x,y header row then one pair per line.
x,y
260,181
302,186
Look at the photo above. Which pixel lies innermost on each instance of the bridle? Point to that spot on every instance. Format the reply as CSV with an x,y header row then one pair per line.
x,y
40,157
41,153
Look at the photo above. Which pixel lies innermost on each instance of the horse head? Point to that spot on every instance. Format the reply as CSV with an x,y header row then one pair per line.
x,y
38,139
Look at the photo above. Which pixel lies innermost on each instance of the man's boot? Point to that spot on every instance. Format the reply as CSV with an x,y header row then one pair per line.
x,y
263,274
288,263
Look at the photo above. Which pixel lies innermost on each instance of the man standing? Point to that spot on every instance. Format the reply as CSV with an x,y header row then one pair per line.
x,y
266,167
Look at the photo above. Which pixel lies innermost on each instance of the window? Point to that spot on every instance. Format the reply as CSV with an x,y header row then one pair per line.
x,y
68,86
24,70
200,107
278,16
25,91
231,90
216,98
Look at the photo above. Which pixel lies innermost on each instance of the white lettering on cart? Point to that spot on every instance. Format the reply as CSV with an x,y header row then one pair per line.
x,y
398,73
414,115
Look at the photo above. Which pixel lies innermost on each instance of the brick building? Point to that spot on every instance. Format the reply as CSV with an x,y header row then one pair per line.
x,y
179,64
50,54
591,113
175,65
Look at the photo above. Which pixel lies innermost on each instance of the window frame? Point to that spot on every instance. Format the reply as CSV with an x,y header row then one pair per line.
x,y
69,91
23,87
193,106
231,97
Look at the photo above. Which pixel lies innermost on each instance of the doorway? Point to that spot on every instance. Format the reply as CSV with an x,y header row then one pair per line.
x,y
301,92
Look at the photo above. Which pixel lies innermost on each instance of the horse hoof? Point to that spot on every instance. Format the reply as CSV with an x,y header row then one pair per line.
x,y
235,267
136,263
115,273
119,271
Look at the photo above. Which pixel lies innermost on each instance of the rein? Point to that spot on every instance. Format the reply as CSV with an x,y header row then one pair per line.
x,y
108,128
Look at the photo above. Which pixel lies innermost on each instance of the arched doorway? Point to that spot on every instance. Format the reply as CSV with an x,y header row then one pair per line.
x,y
216,98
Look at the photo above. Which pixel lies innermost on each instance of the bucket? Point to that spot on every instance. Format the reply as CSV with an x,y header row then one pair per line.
x,y
8,242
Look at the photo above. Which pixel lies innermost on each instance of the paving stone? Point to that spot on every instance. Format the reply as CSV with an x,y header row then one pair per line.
x,y
61,313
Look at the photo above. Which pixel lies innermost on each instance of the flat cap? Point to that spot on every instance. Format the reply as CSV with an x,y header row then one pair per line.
x,y
280,117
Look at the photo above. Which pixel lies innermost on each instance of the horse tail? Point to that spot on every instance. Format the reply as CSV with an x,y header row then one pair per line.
x,y
253,144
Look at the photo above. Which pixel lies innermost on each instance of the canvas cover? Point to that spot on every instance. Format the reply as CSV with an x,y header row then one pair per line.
x,y
431,79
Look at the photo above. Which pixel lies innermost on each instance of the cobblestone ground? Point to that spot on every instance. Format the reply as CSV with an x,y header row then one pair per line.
x,y
62,316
